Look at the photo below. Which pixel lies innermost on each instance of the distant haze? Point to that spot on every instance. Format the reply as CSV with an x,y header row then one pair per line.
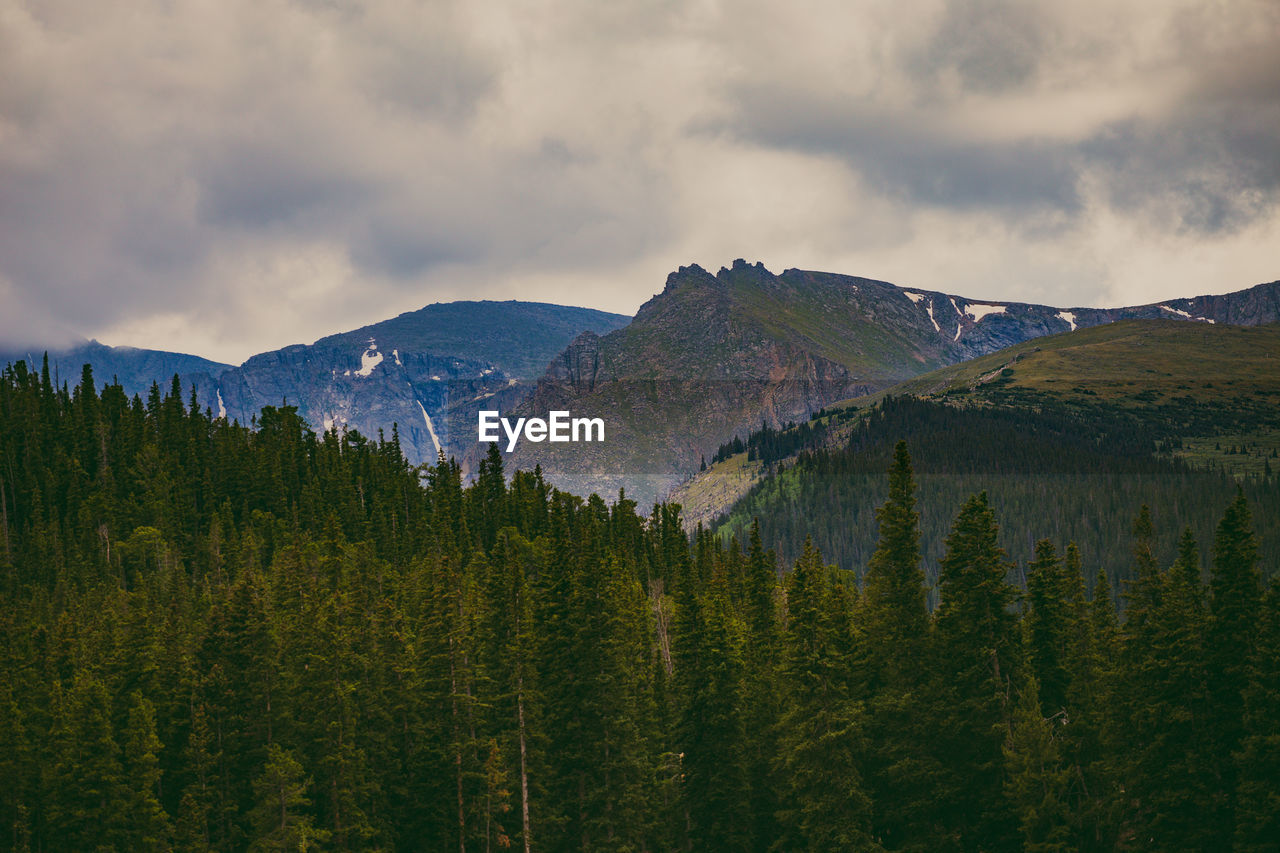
x,y
228,178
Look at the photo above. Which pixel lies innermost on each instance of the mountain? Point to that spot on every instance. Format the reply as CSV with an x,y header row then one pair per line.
x,y
708,358
714,356
135,369
1069,435
426,371
516,338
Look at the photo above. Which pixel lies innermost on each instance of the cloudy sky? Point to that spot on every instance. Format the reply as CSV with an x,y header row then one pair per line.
x,y
229,176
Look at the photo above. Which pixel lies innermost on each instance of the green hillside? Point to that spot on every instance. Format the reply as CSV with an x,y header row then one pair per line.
x,y
1069,434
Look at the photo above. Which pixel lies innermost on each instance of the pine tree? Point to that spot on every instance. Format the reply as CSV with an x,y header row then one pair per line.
x,y
1097,736
824,803
88,784
1258,760
280,818
1235,605
711,726
761,689
1167,761
902,768
977,659
1050,626
1038,780
897,618
148,826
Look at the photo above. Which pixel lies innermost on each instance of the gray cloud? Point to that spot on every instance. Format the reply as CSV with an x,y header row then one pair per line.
x,y
991,45
227,178
1204,156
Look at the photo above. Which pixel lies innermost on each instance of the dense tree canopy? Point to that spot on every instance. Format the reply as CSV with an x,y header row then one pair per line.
x,y
227,637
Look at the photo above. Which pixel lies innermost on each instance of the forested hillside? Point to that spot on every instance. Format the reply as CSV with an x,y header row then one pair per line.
x,y
218,637
1048,472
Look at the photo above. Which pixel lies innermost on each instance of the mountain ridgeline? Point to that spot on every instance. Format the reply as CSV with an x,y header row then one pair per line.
x,y
425,372
708,358
713,356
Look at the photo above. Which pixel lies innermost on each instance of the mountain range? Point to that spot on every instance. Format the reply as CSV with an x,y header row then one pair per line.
x,y
708,358
714,356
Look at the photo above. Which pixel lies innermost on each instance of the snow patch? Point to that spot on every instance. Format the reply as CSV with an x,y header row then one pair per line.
x,y
917,298
511,382
936,327
435,378
1185,314
346,373
222,410
369,359
1068,317
430,429
979,310
395,353
959,329
955,306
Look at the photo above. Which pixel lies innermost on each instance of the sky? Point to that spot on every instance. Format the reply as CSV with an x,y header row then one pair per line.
x,y
225,177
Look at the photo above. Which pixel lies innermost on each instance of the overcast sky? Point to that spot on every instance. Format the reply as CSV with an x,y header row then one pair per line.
x,y
224,177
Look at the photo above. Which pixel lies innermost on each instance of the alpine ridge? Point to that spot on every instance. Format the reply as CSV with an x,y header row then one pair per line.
x,y
709,357
713,356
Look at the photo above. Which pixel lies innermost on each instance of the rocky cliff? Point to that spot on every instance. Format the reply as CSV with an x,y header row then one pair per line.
x,y
713,356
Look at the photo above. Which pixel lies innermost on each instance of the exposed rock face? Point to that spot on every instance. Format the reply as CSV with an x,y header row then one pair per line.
x,y
716,355
579,364
428,372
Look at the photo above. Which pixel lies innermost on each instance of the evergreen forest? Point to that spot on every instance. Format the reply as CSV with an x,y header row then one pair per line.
x,y
224,637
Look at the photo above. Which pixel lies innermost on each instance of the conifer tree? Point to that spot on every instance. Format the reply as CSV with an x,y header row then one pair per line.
x,y
977,660
1166,756
902,767
1038,779
147,824
280,818
88,783
1258,760
824,803
1049,626
762,693
896,615
1235,604
711,726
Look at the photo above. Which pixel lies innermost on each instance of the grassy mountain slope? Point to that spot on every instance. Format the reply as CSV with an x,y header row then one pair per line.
x,y
1068,434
